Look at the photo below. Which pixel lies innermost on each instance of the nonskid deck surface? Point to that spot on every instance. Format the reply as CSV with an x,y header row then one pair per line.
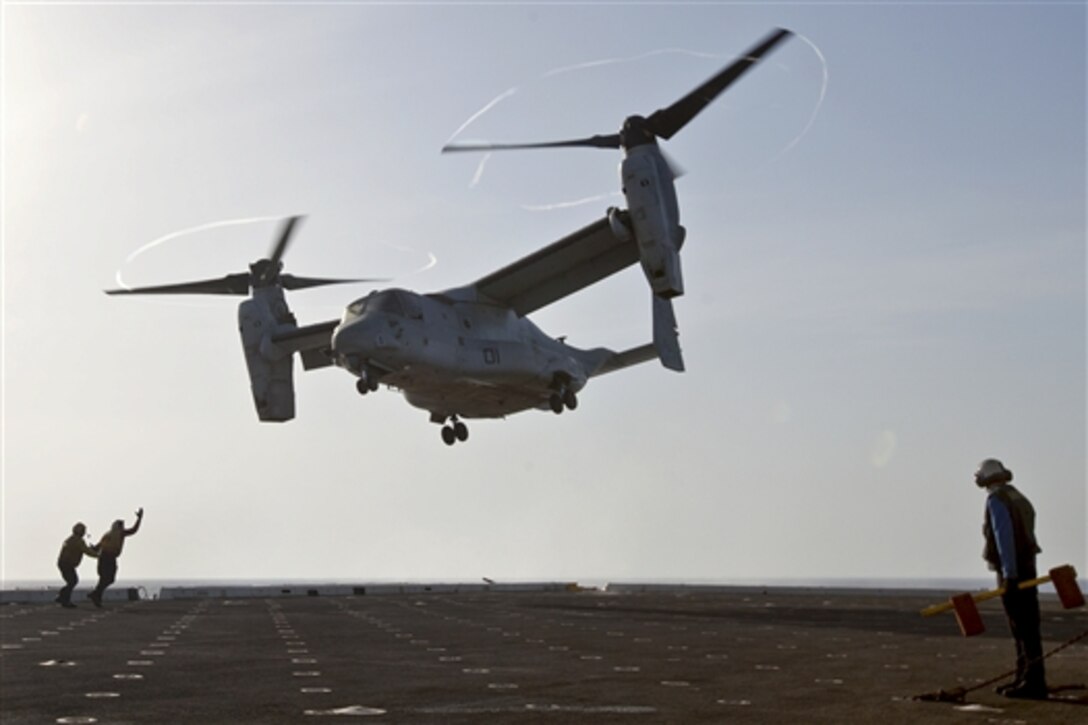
x,y
748,655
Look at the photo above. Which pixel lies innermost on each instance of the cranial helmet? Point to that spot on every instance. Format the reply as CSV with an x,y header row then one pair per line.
x,y
992,471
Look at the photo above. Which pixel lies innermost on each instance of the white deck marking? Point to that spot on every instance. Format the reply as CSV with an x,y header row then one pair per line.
x,y
349,710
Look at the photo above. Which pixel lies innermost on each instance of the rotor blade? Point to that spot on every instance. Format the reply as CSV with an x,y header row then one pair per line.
x,y
285,238
665,122
674,168
290,281
610,141
232,284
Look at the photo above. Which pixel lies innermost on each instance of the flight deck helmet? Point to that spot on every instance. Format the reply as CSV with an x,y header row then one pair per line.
x,y
992,471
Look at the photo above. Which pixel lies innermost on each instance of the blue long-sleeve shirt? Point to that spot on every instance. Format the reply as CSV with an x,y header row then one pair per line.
x,y
1010,533
1004,536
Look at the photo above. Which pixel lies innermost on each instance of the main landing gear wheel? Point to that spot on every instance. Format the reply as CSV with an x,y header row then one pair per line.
x,y
567,400
453,432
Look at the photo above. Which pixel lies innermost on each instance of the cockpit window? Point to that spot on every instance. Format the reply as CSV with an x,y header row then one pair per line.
x,y
391,302
358,307
412,308
388,302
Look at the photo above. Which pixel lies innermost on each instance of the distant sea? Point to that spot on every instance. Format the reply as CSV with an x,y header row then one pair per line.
x,y
152,587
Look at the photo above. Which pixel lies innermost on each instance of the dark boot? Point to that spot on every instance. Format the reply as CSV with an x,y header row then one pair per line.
x,y
1028,691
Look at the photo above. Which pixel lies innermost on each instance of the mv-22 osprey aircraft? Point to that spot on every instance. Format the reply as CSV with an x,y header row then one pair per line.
x,y
471,352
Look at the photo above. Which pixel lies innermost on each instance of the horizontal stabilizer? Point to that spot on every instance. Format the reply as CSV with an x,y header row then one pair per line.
x,y
666,336
618,360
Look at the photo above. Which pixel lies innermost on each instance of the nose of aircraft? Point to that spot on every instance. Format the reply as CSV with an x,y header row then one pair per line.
x,y
354,340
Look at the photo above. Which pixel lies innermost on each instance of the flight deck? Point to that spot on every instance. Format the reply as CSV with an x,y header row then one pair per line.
x,y
554,655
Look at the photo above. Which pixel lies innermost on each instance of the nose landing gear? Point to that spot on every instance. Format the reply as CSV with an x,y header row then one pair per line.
x,y
367,382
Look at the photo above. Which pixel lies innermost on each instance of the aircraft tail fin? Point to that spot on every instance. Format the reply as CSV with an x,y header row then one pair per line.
x,y
666,335
665,347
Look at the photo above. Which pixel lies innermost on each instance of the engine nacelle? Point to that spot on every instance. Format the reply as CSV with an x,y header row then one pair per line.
x,y
655,218
270,369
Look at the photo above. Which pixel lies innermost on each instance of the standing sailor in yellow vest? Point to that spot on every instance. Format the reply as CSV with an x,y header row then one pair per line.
x,y
109,548
71,554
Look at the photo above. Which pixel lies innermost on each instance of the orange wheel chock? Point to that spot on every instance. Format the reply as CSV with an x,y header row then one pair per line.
x,y
965,606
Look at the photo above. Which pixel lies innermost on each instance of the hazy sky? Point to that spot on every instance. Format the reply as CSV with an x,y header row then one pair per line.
x,y
873,305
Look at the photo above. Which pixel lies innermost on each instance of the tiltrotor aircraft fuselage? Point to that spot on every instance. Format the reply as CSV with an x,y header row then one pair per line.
x,y
471,351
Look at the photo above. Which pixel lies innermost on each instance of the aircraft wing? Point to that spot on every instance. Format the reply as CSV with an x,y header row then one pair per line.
x,y
549,274
312,342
